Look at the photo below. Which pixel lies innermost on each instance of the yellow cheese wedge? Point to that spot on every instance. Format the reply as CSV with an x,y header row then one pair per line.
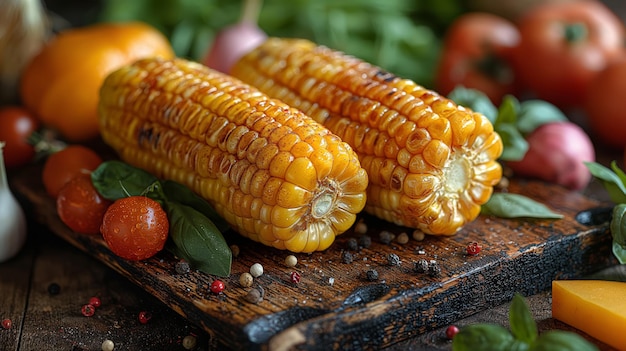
x,y
596,307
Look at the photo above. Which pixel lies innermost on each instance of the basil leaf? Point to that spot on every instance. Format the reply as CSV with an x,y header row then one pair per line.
x,y
197,240
508,111
534,113
620,174
611,181
177,192
618,231
508,205
485,337
523,325
560,340
475,100
514,143
115,180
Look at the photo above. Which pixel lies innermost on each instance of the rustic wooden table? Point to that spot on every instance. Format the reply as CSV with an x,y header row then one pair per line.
x,y
53,320
45,321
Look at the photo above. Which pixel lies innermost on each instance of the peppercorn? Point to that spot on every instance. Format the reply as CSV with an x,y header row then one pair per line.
x,y
295,277
393,259
421,266
108,345
246,279
385,237
473,249
352,244
217,286
234,249
54,289
346,257
360,227
6,323
144,317
418,235
372,275
451,331
402,238
88,310
291,261
95,301
182,267
256,270
254,296
365,241
434,269
189,342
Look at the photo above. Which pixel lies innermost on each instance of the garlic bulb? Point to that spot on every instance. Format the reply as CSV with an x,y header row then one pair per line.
x,y
24,28
12,220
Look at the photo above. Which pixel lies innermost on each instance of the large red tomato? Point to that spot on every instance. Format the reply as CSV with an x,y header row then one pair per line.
x,y
563,45
476,53
604,105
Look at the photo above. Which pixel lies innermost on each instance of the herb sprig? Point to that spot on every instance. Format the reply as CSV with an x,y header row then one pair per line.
x,y
523,335
195,228
512,120
614,181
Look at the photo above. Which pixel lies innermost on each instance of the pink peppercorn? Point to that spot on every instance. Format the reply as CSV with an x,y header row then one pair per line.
x,y
95,301
6,323
88,310
295,277
217,286
144,317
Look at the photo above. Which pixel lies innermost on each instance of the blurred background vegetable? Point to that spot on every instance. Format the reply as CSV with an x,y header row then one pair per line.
x,y
401,36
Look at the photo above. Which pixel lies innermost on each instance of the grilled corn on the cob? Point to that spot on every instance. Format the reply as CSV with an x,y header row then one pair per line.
x,y
273,173
431,163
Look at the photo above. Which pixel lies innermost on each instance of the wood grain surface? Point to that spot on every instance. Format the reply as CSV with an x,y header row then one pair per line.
x,y
335,306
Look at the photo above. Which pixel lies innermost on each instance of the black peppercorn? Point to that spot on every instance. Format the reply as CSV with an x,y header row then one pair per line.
x,y
353,244
421,266
393,259
346,257
54,289
365,241
372,275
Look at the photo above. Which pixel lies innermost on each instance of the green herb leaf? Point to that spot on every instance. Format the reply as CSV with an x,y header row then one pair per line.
x,y
475,100
534,113
620,174
197,240
485,337
508,205
618,231
611,181
523,325
515,145
560,340
177,192
508,110
115,180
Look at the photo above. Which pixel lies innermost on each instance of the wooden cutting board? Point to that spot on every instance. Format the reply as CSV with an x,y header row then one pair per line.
x,y
335,306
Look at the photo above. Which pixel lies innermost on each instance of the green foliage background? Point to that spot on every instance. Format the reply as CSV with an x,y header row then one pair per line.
x,y
401,36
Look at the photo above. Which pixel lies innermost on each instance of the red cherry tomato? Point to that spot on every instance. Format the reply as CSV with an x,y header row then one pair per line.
x,y
476,54
16,125
604,105
135,227
563,46
80,206
64,165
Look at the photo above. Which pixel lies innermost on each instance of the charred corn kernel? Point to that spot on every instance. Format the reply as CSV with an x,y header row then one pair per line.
x,y
276,175
431,163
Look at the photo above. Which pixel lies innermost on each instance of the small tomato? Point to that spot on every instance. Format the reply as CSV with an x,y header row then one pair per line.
x,y
563,46
16,125
62,166
476,54
135,227
604,105
80,206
